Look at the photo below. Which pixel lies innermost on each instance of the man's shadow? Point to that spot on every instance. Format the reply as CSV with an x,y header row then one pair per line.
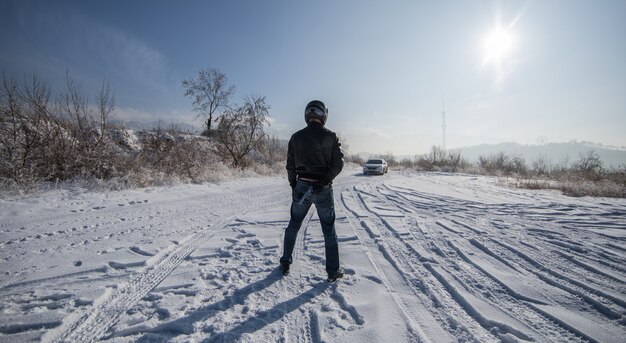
x,y
185,325
267,317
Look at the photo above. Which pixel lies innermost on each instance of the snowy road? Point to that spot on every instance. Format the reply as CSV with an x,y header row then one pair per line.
x,y
428,258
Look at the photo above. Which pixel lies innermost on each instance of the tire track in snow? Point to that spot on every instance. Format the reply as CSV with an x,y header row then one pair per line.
x,y
92,323
140,207
83,235
572,267
584,260
446,302
407,261
603,313
573,257
491,290
559,269
405,306
514,304
595,297
70,227
506,300
587,296
447,261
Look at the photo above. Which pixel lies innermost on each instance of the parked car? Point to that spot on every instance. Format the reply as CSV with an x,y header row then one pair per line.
x,y
375,166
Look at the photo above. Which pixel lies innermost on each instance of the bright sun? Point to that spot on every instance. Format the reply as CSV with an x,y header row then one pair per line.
x,y
497,45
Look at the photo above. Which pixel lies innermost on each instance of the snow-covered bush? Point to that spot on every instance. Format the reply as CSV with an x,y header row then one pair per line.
x,y
501,164
440,160
585,177
69,139
46,139
601,188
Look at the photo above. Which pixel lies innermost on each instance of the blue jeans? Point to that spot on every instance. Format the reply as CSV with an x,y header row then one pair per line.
x,y
325,205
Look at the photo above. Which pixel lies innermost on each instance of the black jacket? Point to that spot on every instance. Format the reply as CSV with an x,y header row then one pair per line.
x,y
315,153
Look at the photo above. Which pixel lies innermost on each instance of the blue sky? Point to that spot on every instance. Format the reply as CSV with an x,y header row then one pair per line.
x,y
381,66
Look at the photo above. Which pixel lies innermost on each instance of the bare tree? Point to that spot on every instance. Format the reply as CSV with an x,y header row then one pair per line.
x,y
102,151
437,156
274,149
75,107
540,166
455,161
240,130
589,166
105,100
13,126
211,93
589,162
24,128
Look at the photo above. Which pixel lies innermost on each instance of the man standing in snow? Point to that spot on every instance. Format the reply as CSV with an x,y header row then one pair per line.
x,y
314,159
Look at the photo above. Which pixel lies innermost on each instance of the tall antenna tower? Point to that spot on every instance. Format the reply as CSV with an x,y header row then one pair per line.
x,y
443,119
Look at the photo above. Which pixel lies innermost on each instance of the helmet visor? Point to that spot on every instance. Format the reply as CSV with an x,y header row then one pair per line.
x,y
316,111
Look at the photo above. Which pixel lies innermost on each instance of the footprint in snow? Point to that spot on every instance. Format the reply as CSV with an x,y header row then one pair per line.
x,y
119,265
246,235
139,251
374,279
254,242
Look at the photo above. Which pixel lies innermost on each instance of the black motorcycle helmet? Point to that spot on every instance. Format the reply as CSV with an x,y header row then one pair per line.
x,y
316,109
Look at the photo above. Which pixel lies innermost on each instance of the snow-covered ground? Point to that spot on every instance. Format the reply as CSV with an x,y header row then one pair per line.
x,y
428,258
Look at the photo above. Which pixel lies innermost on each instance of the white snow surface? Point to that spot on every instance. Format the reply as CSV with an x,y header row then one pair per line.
x,y
429,257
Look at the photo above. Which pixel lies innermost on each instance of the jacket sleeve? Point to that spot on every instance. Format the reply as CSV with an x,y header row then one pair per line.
x,y
291,165
336,163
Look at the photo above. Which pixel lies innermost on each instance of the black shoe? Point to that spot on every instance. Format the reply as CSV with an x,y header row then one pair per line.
x,y
337,275
284,267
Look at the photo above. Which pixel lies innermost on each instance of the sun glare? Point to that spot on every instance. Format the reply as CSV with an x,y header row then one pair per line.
x,y
497,45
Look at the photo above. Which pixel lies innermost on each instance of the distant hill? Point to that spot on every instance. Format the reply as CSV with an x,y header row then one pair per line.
x,y
552,152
